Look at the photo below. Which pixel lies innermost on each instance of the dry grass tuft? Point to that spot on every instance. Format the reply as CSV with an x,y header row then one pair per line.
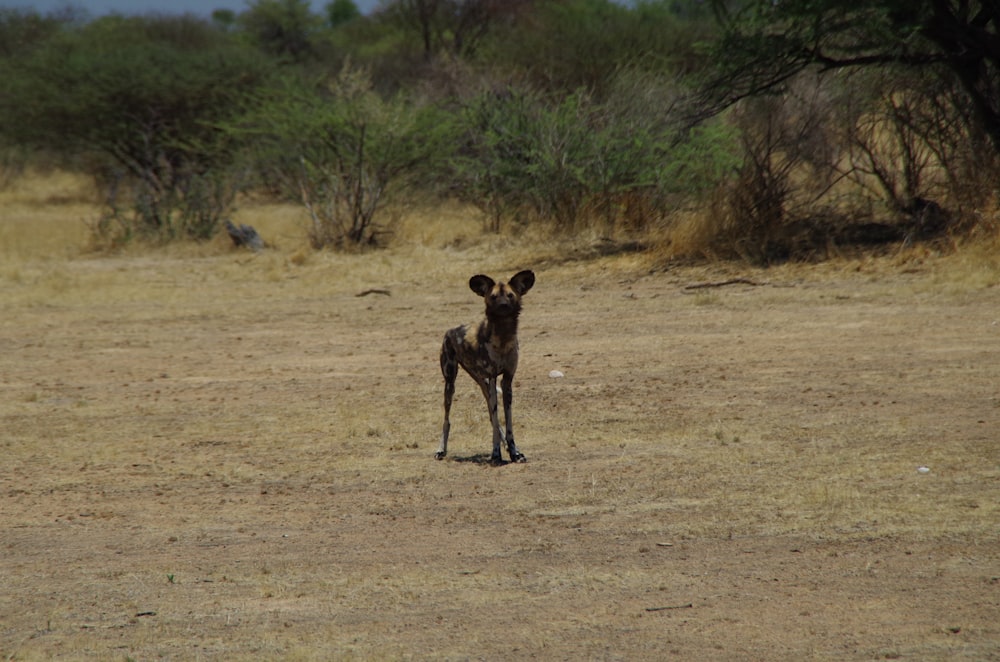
x,y
975,262
688,234
44,217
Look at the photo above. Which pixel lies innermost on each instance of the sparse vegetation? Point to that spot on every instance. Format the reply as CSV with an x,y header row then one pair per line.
x,y
783,134
341,150
139,103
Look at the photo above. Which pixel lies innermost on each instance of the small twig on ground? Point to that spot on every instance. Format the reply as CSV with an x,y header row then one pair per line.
x,y
374,290
687,606
731,281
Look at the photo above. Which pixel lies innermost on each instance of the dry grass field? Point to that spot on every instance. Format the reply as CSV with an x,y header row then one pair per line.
x,y
210,454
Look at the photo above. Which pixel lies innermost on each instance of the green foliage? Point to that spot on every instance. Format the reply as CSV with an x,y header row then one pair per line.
x,y
579,158
573,112
450,28
765,43
142,100
339,12
565,45
224,19
282,28
23,31
341,149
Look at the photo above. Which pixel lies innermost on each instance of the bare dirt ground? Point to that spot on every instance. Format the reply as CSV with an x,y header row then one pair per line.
x,y
216,455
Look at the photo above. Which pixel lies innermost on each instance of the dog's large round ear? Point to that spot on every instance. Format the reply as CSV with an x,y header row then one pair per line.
x,y
481,284
522,281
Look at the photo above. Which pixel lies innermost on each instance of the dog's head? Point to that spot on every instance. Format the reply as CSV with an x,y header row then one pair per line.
x,y
503,299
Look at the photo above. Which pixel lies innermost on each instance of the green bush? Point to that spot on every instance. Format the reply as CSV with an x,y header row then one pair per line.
x,y
563,45
143,101
340,149
492,170
284,29
579,160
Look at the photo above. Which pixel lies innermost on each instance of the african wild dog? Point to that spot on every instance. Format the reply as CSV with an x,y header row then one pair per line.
x,y
486,351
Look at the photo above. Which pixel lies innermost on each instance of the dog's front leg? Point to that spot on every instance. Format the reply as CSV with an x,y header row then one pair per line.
x,y
507,385
489,386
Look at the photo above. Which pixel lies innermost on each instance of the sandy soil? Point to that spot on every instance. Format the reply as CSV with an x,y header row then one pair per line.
x,y
231,457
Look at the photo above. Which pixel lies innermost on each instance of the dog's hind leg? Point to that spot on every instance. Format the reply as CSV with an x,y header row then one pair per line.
x,y
449,368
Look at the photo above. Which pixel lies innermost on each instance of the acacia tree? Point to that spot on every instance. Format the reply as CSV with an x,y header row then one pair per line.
x,y
284,28
579,159
142,101
339,12
453,26
765,43
340,149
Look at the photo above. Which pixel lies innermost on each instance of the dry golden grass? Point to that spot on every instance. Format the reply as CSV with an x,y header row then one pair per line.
x,y
44,217
210,454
